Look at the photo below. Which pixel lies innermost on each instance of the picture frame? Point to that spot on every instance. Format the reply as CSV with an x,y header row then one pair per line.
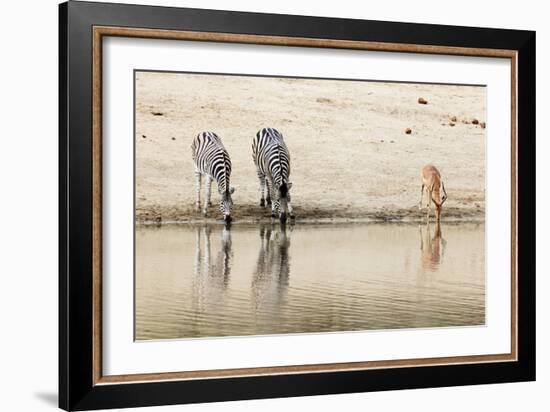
x,y
82,28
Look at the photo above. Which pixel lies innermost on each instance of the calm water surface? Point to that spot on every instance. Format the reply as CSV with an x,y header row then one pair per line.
x,y
197,281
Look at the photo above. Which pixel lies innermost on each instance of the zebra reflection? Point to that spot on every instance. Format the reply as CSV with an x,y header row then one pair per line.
x,y
432,249
211,272
272,272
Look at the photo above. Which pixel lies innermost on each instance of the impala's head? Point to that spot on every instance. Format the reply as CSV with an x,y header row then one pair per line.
x,y
438,202
226,203
283,198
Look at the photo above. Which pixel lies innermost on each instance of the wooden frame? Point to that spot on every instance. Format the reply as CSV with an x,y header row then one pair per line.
x,y
82,27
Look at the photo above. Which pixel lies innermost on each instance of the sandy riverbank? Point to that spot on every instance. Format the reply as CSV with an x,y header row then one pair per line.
x,y
351,157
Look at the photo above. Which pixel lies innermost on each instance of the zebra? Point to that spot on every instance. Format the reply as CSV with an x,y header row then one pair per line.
x,y
272,160
211,160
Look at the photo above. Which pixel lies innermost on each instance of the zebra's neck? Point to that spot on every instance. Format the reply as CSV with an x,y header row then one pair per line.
x,y
222,177
223,183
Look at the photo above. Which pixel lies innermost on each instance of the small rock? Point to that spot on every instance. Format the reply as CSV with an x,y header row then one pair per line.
x,y
323,100
421,100
143,136
483,125
391,141
408,131
381,140
173,138
451,124
453,119
157,113
475,121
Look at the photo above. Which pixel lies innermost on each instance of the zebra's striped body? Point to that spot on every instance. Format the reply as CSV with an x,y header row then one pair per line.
x,y
212,161
272,160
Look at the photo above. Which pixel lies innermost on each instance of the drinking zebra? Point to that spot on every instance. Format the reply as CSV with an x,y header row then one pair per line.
x,y
212,160
272,161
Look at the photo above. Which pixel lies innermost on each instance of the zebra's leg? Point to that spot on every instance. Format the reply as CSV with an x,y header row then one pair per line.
x,y
261,176
290,212
274,204
268,200
198,189
208,195
209,191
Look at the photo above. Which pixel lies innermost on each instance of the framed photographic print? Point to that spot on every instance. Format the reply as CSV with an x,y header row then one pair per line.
x,y
256,205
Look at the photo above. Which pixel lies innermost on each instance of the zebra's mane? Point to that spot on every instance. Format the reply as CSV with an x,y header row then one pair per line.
x,y
225,171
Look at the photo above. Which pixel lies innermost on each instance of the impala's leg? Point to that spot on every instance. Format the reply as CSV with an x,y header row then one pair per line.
x,y
261,176
421,196
421,237
198,189
428,206
208,194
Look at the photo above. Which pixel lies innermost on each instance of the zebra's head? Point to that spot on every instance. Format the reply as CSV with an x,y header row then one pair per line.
x,y
226,204
283,198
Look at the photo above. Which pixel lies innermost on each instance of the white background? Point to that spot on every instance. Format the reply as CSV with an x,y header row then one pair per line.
x,y
28,206
124,356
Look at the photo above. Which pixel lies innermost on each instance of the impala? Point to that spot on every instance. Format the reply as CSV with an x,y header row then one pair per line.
x,y
431,181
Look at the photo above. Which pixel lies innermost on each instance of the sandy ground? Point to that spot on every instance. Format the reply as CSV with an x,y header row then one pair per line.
x,y
351,156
